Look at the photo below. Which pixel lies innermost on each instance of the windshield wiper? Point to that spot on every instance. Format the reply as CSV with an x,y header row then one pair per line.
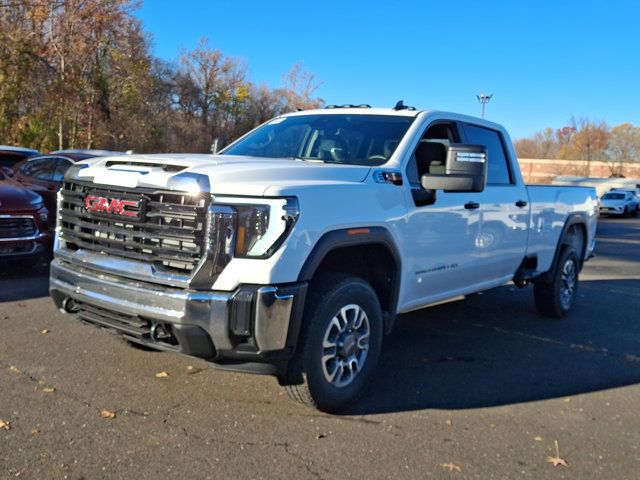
x,y
307,159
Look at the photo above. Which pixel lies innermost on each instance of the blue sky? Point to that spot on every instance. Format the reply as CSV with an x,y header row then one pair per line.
x,y
542,60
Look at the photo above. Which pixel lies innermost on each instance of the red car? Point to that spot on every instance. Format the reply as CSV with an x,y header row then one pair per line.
x,y
44,174
24,230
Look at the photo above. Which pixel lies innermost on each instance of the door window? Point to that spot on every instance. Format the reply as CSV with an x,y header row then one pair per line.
x,y
498,166
62,165
430,155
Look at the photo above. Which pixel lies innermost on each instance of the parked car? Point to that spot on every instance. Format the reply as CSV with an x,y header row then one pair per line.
x,y
634,191
293,250
44,174
619,202
24,230
9,156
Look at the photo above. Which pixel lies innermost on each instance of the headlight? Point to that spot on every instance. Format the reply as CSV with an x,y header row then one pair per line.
x,y
262,227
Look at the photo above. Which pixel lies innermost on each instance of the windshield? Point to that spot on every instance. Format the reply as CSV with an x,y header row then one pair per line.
x,y
613,196
350,139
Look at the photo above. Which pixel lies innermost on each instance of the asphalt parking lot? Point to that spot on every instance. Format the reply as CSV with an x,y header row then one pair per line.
x,y
482,388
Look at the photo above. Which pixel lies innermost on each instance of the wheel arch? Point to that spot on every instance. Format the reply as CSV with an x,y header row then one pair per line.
x,y
573,232
353,251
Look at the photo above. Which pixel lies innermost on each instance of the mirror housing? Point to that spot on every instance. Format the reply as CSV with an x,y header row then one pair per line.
x,y
466,170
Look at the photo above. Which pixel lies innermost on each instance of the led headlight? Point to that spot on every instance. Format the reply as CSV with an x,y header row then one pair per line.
x,y
262,225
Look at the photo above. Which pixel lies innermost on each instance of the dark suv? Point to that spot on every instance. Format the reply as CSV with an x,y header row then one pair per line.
x,y
24,228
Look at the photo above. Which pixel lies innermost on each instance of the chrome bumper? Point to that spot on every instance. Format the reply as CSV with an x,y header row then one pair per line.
x,y
268,316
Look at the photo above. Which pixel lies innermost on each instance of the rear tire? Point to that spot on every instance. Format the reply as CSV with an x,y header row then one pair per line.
x,y
554,296
339,344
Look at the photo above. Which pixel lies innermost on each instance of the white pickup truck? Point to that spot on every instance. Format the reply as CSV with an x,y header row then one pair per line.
x,y
292,251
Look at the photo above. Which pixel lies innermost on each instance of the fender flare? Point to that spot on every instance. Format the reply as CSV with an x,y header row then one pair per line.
x,y
357,236
573,219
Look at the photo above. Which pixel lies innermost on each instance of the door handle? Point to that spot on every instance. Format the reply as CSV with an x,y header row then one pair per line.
x,y
521,203
471,205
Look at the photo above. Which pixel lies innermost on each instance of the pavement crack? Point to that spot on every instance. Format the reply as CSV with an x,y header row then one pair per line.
x,y
285,446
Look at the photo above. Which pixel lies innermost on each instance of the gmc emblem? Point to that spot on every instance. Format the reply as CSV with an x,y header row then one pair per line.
x,y
114,206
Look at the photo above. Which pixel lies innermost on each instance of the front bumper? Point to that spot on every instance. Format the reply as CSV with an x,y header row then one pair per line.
x,y
612,210
252,325
25,245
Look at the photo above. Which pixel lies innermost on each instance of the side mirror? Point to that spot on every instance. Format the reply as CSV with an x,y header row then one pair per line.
x,y
466,170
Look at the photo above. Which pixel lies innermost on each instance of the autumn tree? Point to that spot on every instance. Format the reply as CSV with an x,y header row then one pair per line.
x,y
624,146
298,87
80,74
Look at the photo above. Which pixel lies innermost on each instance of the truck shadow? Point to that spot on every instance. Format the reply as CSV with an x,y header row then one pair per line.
x,y
494,349
19,282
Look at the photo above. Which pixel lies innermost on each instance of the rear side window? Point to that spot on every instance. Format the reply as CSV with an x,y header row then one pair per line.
x,y
42,169
498,167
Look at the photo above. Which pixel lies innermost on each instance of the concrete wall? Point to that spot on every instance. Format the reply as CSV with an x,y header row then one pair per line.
x,y
537,170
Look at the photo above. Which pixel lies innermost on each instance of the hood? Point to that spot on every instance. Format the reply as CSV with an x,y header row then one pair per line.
x,y
14,197
230,175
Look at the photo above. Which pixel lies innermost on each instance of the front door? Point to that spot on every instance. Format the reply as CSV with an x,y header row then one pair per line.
x,y
439,236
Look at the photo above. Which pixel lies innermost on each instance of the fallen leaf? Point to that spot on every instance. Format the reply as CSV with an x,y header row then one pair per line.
x,y
35,431
322,435
4,424
537,439
190,367
107,414
162,374
14,369
45,331
557,461
48,389
451,466
449,422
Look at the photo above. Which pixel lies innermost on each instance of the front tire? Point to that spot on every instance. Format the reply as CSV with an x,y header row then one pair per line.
x,y
340,343
554,296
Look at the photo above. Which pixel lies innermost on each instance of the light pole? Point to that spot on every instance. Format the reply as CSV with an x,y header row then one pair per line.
x,y
483,98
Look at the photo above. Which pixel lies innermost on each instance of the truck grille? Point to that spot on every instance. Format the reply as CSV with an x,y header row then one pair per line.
x,y
17,227
169,228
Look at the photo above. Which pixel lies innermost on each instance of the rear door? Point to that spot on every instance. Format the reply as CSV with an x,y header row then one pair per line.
x,y
504,209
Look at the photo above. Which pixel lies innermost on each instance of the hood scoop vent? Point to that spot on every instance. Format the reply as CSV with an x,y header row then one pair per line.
x,y
164,167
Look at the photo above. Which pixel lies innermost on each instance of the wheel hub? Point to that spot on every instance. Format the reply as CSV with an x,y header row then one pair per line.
x,y
568,283
345,345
